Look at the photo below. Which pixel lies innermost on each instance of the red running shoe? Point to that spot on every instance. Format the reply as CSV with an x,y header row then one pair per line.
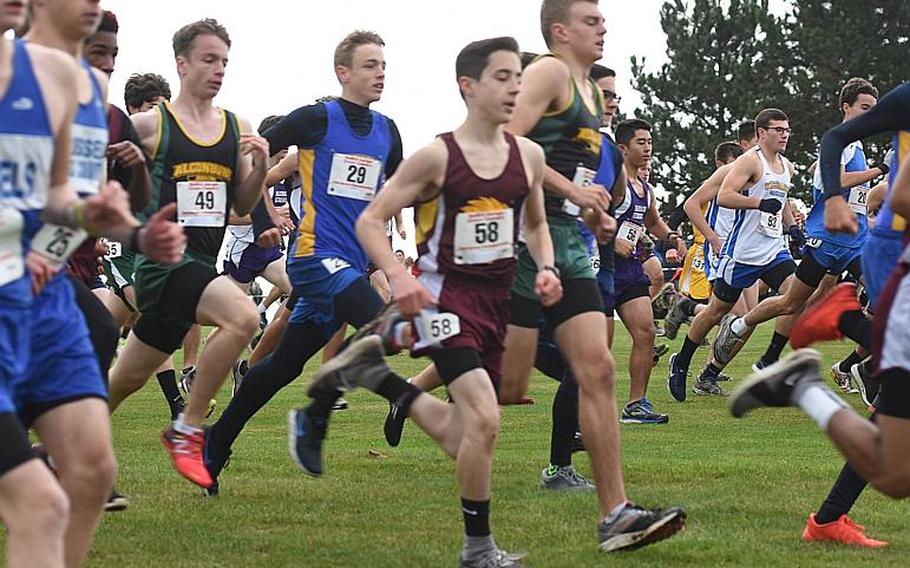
x,y
819,323
186,453
843,531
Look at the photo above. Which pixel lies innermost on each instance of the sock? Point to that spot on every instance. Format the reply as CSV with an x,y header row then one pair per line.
x,y
322,404
857,327
852,359
739,326
684,358
711,371
820,404
611,516
184,428
189,369
843,494
565,422
398,391
476,517
261,307
772,354
167,380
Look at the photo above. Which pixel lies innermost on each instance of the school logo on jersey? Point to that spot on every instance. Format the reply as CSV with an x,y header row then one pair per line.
x,y
590,138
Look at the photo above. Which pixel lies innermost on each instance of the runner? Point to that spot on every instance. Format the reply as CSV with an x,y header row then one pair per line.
x,y
205,160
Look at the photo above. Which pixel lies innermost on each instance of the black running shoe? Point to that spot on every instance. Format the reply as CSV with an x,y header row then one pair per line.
x,y
775,385
305,436
636,526
868,385
394,425
213,463
677,381
116,502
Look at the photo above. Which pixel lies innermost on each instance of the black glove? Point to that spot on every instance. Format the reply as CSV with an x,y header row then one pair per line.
x,y
770,206
797,238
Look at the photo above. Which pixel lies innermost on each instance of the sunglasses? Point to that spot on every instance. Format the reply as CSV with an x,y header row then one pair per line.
x,y
610,95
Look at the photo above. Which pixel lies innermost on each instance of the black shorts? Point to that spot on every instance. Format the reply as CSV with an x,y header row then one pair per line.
x,y
578,296
810,272
774,278
14,446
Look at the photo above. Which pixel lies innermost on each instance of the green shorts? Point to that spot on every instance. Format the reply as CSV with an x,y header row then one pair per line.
x,y
171,292
571,253
119,271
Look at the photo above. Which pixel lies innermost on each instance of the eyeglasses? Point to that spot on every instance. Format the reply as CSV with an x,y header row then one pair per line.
x,y
610,95
781,130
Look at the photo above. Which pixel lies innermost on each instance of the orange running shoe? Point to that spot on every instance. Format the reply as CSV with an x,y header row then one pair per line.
x,y
843,531
186,453
819,322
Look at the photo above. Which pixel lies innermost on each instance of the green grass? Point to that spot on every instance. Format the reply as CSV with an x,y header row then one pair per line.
x,y
747,485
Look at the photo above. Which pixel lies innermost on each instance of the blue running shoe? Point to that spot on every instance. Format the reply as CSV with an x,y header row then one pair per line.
x,y
677,380
641,412
305,436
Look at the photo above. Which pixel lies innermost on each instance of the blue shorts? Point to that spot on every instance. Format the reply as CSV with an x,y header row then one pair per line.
x,y
316,282
880,256
15,320
63,365
741,276
606,282
832,257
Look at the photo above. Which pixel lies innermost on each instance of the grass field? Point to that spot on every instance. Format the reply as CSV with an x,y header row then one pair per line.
x,y
747,486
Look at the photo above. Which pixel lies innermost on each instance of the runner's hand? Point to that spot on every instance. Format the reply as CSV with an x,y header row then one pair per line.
x,y
548,287
161,239
409,294
108,208
838,216
126,153
623,248
258,147
269,238
593,196
40,271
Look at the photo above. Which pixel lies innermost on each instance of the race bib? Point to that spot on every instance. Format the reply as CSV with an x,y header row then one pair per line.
x,y
770,224
583,177
858,199
595,260
434,327
56,243
354,176
698,262
201,203
484,236
813,243
12,266
630,231
333,265
114,250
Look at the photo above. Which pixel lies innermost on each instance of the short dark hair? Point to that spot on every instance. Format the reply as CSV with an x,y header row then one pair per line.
x,y
473,59
144,87
852,89
626,129
344,51
108,23
526,58
727,150
764,118
183,38
269,122
555,12
745,130
598,72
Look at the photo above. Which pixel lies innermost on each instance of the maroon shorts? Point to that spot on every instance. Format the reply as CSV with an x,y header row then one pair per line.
x,y
483,313
85,264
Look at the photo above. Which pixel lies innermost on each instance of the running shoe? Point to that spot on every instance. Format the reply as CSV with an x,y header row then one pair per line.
x,y
642,412
565,478
495,558
637,526
676,316
775,385
394,425
820,322
842,380
727,341
842,531
186,453
305,437
676,382
867,384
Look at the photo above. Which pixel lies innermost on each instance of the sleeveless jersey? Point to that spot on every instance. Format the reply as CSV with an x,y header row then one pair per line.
x,y
757,237
470,229
608,166
889,224
853,159
26,153
199,177
571,142
339,178
630,215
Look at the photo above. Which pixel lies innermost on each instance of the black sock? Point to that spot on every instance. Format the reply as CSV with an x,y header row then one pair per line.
x,y
398,391
565,422
857,327
322,404
852,359
772,354
684,357
711,371
168,382
843,495
476,517
688,306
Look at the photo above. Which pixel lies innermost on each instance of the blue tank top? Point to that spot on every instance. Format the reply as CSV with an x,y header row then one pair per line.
x,y
888,224
26,153
854,160
339,177
605,176
88,164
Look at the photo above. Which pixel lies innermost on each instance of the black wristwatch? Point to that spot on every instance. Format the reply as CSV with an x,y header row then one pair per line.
x,y
552,269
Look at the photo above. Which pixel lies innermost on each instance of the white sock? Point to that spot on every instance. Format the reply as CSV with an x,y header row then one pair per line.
x,y
739,326
261,307
183,427
820,404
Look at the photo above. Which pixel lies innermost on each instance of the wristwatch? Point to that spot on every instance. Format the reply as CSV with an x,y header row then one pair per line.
x,y
551,268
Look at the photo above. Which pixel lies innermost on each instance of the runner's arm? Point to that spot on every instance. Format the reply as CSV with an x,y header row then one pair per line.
x,y
536,230
744,169
694,205
900,193
251,168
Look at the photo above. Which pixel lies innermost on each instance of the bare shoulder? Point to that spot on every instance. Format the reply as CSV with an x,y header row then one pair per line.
x,y
548,68
245,125
54,68
146,125
103,81
531,152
